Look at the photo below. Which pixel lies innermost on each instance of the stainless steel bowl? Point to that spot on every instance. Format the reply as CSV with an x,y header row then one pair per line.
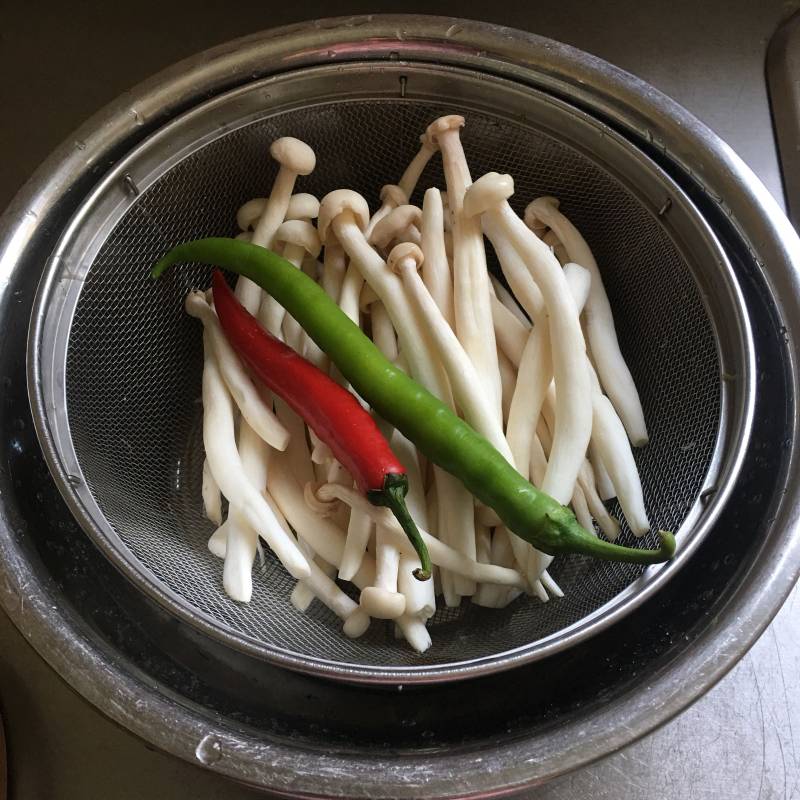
x,y
667,635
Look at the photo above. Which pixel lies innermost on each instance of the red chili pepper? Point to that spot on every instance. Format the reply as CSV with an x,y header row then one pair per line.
x,y
328,409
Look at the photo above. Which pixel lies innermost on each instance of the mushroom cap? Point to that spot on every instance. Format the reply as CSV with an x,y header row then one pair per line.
x,y
442,125
293,154
393,195
539,211
356,624
403,255
381,603
302,206
248,215
427,142
335,203
195,303
300,233
488,191
324,508
245,236
394,223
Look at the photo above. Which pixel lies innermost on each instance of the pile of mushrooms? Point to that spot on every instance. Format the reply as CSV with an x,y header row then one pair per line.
x,y
537,370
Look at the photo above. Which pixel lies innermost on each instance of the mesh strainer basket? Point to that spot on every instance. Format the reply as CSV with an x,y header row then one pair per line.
x,y
115,364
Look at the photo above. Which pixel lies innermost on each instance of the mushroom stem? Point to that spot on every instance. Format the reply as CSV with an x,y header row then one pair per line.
x,y
383,331
253,408
471,292
508,380
359,530
415,632
226,466
574,412
511,334
608,432
334,269
436,268
468,390
212,500
604,486
345,213
218,541
508,300
300,239
614,374
581,509
445,556
408,180
420,595
533,378
240,551
382,600
295,158
607,523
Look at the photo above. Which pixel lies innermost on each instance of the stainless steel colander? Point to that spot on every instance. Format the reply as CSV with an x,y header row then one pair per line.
x,y
115,364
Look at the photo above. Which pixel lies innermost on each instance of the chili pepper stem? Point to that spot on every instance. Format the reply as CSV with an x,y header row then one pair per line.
x,y
392,495
572,538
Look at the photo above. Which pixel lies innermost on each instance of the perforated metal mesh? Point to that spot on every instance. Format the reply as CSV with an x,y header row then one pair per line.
x,y
134,366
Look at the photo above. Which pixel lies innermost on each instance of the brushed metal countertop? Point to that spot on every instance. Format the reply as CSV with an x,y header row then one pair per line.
x,y
58,65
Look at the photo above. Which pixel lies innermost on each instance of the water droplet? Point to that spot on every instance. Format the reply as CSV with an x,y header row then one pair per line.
x,y
80,144
137,117
74,480
209,751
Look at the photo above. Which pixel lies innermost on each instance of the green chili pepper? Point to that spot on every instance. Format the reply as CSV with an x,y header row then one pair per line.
x,y
440,435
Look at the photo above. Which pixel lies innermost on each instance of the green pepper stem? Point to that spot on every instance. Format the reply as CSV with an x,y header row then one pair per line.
x,y
572,538
393,497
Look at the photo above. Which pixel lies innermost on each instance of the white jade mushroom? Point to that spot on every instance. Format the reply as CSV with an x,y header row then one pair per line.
x,y
488,197
400,225
253,408
302,206
225,463
611,367
405,260
471,292
295,158
249,214
391,196
344,213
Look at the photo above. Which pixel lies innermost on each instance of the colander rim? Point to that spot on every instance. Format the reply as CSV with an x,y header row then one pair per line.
x,y
53,425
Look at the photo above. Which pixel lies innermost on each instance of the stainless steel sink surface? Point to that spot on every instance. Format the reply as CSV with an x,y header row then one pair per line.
x,y
59,67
